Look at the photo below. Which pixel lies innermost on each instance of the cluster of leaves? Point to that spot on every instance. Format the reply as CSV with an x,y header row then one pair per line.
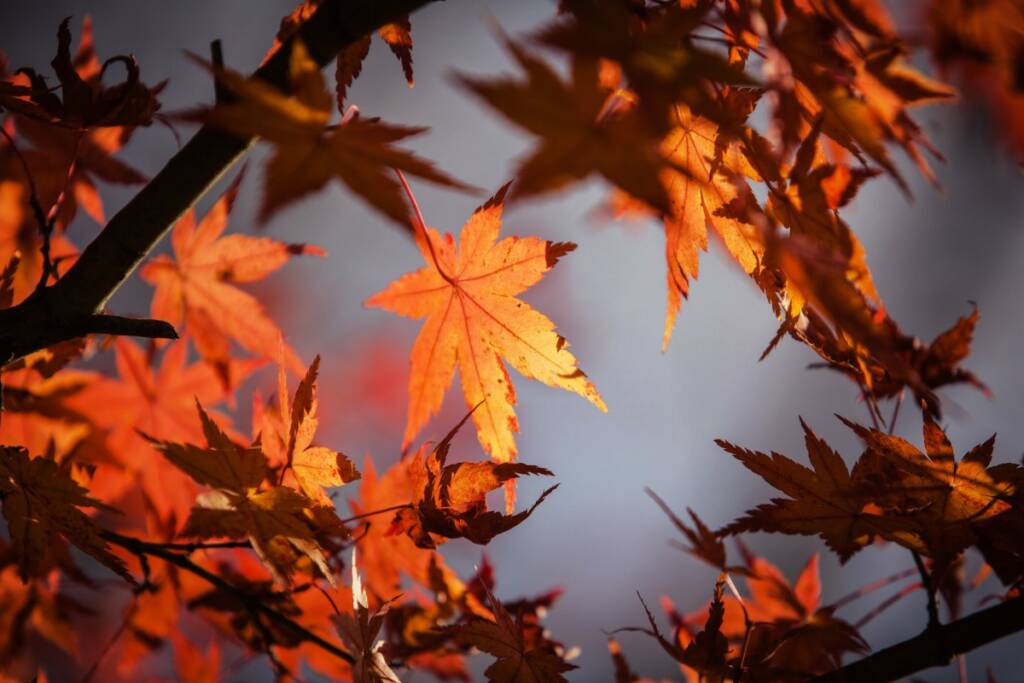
x,y
236,539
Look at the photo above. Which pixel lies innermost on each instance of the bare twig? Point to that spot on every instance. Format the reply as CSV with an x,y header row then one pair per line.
x,y
872,587
364,515
928,581
252,602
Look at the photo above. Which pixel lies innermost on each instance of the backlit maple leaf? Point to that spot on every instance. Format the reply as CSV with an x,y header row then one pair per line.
x,y
388,559
359,631
276,519
85,101
578,134
397,35
308,153
288,442
159,402
698,194
198,285
473,320
949,501
452,502
827,500
40,501
517,660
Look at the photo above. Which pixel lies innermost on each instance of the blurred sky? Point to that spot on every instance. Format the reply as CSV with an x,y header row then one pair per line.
x,y
599,535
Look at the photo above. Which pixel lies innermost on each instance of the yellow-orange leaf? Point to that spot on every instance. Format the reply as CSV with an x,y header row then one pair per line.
x,y
697,198
473,319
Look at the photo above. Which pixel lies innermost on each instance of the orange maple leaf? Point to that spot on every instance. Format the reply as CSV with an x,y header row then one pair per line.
x,y
198,285
385,557
159,402
473,319
288,442
698,194
275,518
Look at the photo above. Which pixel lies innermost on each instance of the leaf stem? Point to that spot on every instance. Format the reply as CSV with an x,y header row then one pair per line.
x,y
421,225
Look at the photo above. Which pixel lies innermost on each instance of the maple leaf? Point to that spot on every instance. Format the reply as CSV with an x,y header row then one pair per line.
x,y
275,519
33,611
35,414
705,544
654,49
938,363
197,286
86,103
948,500
359,631
579,134
705,182
308,153
397,35
159,402
452,503
827,500
40,501
65,163
795,633
862,90
473,319
623,672
517,660
387,557
863,342
314,467
981,43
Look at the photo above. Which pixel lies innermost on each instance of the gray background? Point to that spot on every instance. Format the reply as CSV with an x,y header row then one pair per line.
x,y
598,536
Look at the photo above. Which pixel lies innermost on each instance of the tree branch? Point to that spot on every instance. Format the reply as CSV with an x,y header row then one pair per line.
x,y
935,647
141,224
251,602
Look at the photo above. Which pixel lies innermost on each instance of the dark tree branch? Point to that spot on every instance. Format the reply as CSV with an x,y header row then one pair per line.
x,y
143,222
101,323
253,603
935,647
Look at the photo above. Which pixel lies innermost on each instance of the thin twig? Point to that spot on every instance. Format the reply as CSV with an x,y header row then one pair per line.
x,y
887,603
193,547
252,602
116,636
44,224
364,515
870,405
872,587
895,412
928,581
